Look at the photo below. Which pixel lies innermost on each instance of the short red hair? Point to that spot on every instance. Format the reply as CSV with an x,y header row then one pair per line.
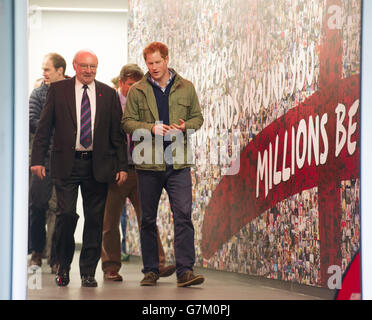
x,y
156,46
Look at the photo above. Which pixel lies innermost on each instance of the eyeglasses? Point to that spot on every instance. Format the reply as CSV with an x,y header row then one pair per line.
x,y
85,66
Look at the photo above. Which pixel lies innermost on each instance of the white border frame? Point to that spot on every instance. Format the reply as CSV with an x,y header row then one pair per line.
x,y
366,151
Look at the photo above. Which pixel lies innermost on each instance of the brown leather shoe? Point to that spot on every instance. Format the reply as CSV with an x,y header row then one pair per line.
x,y
189,279
36,259
113,276
149,279
167,271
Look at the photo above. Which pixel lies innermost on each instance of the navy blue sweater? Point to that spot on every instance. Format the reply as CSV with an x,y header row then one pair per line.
x,y
162,102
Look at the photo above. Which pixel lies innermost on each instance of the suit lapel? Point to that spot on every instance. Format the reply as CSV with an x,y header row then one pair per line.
x,y
99,104
71,99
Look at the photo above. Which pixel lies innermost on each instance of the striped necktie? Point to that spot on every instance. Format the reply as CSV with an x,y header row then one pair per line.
x,y
85,120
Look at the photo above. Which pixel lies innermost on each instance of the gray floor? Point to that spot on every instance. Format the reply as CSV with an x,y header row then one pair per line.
x,y
218,286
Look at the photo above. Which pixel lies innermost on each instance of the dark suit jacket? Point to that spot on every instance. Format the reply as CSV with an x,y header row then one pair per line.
x,y
59,114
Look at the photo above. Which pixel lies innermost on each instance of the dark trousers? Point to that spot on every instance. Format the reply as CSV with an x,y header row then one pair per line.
x,y
116,198
94,197
40,194
42,211
177,183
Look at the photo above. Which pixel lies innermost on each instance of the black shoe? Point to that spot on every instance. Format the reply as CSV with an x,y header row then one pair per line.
x,y
88,281
62,277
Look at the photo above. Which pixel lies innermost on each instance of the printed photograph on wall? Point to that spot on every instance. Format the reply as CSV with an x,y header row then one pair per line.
x,y
276,182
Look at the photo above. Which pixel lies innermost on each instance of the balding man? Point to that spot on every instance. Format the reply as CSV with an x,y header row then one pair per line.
x,y
89,150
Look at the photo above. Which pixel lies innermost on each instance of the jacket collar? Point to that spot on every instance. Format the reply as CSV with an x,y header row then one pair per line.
x,y
145,87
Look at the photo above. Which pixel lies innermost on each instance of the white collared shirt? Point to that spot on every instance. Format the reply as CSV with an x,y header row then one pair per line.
x,y
91,91
123,100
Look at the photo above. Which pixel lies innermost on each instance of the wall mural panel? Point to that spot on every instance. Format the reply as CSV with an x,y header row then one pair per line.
x,y
276,181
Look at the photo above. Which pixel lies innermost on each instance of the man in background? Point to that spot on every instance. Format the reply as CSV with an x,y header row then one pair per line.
x,y
43,203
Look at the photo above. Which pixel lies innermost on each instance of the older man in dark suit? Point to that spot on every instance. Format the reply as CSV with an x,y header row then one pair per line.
x,y
88,151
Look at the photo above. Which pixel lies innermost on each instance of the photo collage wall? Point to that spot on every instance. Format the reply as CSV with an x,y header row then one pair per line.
x,y
276,182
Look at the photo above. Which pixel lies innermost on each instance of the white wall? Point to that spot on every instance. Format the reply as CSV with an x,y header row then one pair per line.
x,y
66,31
112,4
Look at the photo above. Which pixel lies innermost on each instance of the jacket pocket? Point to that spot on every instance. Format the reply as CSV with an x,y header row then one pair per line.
x,y
145,114
183,108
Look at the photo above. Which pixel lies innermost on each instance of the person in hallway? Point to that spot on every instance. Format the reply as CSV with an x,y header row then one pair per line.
x,y
43,203
160,104
123,218
88,151
116,199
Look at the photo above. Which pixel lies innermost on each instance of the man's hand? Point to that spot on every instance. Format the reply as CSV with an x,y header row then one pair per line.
x,y
181,126
121,176
160,129
39,171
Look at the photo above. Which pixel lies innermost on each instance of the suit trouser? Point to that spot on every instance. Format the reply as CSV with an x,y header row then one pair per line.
x,y
177,183
116,198
43,209
94,197
40,193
